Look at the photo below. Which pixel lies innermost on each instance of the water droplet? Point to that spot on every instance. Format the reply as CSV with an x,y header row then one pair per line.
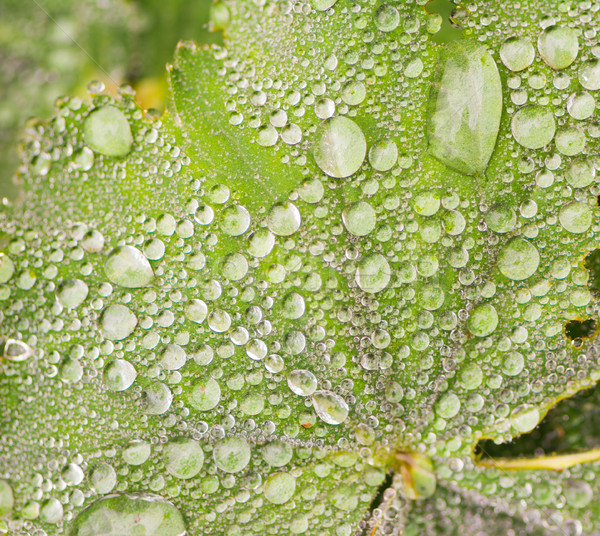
x,y
447,406
196,311
128,515
236,220
7,268
383,155
173,357
183,458
293,306
128,267
119,375
589,74
330,407
501,219
117,322
373,273
302,382
284,219
103,478
581,105
575,217
518,260
570,141
7,500
267,136
517,53
14,350
107,131
277,453
156,398
558,46
483,320
232,454
465,107
323,5
580,173
72,293
578,493
205,395
354,93
340,147
387,18
51,511
533,126
279,488
359,218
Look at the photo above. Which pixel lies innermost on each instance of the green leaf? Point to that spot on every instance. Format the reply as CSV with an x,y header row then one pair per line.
x,y
278,311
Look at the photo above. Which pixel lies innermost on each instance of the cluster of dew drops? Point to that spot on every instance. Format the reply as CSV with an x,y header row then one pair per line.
x,y
221,375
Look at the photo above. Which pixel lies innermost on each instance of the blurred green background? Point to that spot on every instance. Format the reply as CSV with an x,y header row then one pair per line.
x,y
51,48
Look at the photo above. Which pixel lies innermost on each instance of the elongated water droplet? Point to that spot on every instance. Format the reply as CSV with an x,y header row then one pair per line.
x,y
340,147
465,107
330,407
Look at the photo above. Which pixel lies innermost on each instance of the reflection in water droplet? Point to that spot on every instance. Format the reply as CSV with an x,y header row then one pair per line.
x,y
284,219
279,488
533,126
340,147
558,46
128,267
359,218
330,407
156,399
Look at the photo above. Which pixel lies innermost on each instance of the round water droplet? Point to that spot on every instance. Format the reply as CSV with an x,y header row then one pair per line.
x,y
173,357
302,382
260,243
558,46
119,375
518,260
279,488
267,136
427,203
570,141
236,220
7,499
589,74
205,395
359,218
483,320
383,155
232,454
156,399
447,406
533,126
72,293
277,453
513,364
284,219
128,267
103,478
107,131
293,306
354,93
196,311
128,515
51,511
117,322
581,173
581,105
387,18
501,219
183,458
330,407
517,53
137,452
219,321
578,493
575,217
340,147
373,273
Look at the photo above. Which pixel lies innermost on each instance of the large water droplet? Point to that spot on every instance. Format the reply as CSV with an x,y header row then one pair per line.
x,y
232,454
205,395
483,320
128,267
183,458
279,488
156,398
517,53
72,293
589,74
558,46
340,147
575,217
519,259
359,218
128,515
119,375
465,107
330,407
533,126
373,273
107,131
117,322
302,382
284,219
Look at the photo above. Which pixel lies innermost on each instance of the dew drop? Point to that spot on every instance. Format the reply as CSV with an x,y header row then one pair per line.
x,y
107,131
119,375
558,46
232,454
117,322
128,267
373,273
533,126
340,147
518,260
183,458
517,53
330,407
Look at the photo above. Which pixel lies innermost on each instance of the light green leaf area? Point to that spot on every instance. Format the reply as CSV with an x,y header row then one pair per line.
x,y
301,273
